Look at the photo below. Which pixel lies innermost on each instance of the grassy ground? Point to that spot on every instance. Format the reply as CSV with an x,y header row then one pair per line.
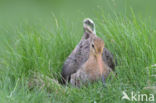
x,y
42,43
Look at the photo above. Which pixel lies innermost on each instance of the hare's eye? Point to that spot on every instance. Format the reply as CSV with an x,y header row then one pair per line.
x,y
93,45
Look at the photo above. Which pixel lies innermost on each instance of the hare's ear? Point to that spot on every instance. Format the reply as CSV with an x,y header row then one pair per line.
x,y
89,26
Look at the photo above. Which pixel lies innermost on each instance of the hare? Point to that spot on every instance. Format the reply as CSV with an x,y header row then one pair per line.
x,y
94,68
81,53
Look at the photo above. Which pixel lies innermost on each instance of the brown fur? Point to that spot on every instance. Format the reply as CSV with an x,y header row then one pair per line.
x,y
93,68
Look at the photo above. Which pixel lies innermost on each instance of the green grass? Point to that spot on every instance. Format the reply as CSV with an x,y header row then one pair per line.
x,y
42,44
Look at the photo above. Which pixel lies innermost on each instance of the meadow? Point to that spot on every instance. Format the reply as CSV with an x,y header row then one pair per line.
x,y
39,38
